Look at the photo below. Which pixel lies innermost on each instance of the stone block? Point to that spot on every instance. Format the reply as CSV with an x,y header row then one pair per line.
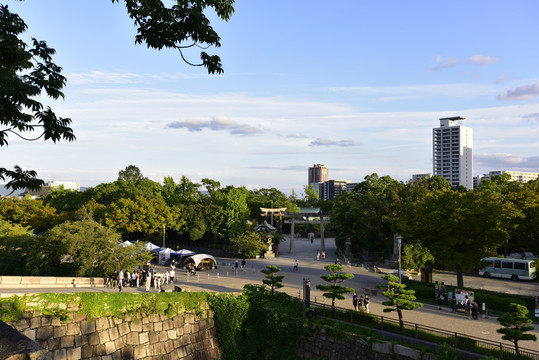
x,y
132,338
382,347
24,324
154,318
143,338
123,328
172,334
53,344
154,337
44,333
187,328
93,339
169,347
159,349
32,281
147,327
67,341
157,326
128,352
113,333
179,321
163,336
406,352
35,323
117,355
110,347
59,331
103,336
87,327
140,352
56,322
119,343
60,354
101,324
10,280
74,354
73,329
100,350
30,334
168,324
195,328
136,326
81,340
87,351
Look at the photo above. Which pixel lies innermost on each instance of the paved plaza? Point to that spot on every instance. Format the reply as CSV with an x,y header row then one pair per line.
x,y
226,279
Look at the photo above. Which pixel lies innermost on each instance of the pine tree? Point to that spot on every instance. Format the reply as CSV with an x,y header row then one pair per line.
x,y
399,298
272,280
335,291
515,327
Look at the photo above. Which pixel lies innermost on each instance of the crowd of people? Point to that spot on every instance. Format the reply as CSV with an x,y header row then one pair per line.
x,y
146,277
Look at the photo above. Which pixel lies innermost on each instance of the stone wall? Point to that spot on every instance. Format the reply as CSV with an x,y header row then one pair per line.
x,y
353,347
185,336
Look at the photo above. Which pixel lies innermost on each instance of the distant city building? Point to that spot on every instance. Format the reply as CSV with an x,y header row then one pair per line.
x,y
452,152
318,173
351,186
520,176
46,189
330,189
416,177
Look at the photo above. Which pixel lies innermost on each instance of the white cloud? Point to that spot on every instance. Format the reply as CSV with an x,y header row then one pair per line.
x,y
218,123
524,92
444,64
507,161
328,142
481,60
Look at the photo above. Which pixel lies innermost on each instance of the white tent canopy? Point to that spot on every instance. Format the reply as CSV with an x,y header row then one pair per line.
x,y
199,257
164,255
185,252
126,243
151,246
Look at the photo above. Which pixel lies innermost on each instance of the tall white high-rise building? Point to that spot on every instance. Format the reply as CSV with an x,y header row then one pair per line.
x,y
452,152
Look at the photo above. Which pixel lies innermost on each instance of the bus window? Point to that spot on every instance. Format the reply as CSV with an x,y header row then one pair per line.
x,y
489,263
519,266
507,265
532,265
497,263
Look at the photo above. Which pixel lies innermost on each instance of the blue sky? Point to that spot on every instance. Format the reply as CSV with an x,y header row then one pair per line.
x,y
355,85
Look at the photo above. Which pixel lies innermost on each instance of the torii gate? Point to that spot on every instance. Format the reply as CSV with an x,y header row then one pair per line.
x,y
280,212
323,218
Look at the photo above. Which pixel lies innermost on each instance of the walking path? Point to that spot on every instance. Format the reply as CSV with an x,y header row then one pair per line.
x,y
226,279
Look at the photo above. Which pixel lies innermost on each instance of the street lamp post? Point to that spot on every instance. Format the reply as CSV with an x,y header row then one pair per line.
x,y
399,242
164,227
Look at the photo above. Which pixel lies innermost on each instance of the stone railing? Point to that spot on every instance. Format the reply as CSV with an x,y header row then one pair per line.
x,y
153,337
23,282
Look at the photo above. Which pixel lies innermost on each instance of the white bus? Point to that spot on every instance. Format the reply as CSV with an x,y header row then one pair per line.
x,y
506,268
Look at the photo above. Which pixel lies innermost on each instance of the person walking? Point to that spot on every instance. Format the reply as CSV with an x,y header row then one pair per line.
x,y
355,301
295,265
366,302
475,310
453,304
323,254
317,254
243,262
120,280
440,301
467,307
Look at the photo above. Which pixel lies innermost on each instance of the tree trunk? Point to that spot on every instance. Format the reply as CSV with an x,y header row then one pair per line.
x,y
517,351
460,279
401,323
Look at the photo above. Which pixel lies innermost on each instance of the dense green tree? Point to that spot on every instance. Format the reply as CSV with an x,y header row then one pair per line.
x,y
32,213
516,325
130,173
335,291
235,212
459,228
142,215
26,73
82,248
67,201
15,240
107,193
368,215
524,235
272,280
415,256
249,243
399,298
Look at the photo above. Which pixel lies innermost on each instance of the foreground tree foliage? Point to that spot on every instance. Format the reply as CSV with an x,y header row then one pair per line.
x,y
257,326
399,298
27,72
250,244
516,325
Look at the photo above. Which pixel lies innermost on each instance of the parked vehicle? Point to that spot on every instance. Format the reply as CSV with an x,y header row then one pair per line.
x,y
506,268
